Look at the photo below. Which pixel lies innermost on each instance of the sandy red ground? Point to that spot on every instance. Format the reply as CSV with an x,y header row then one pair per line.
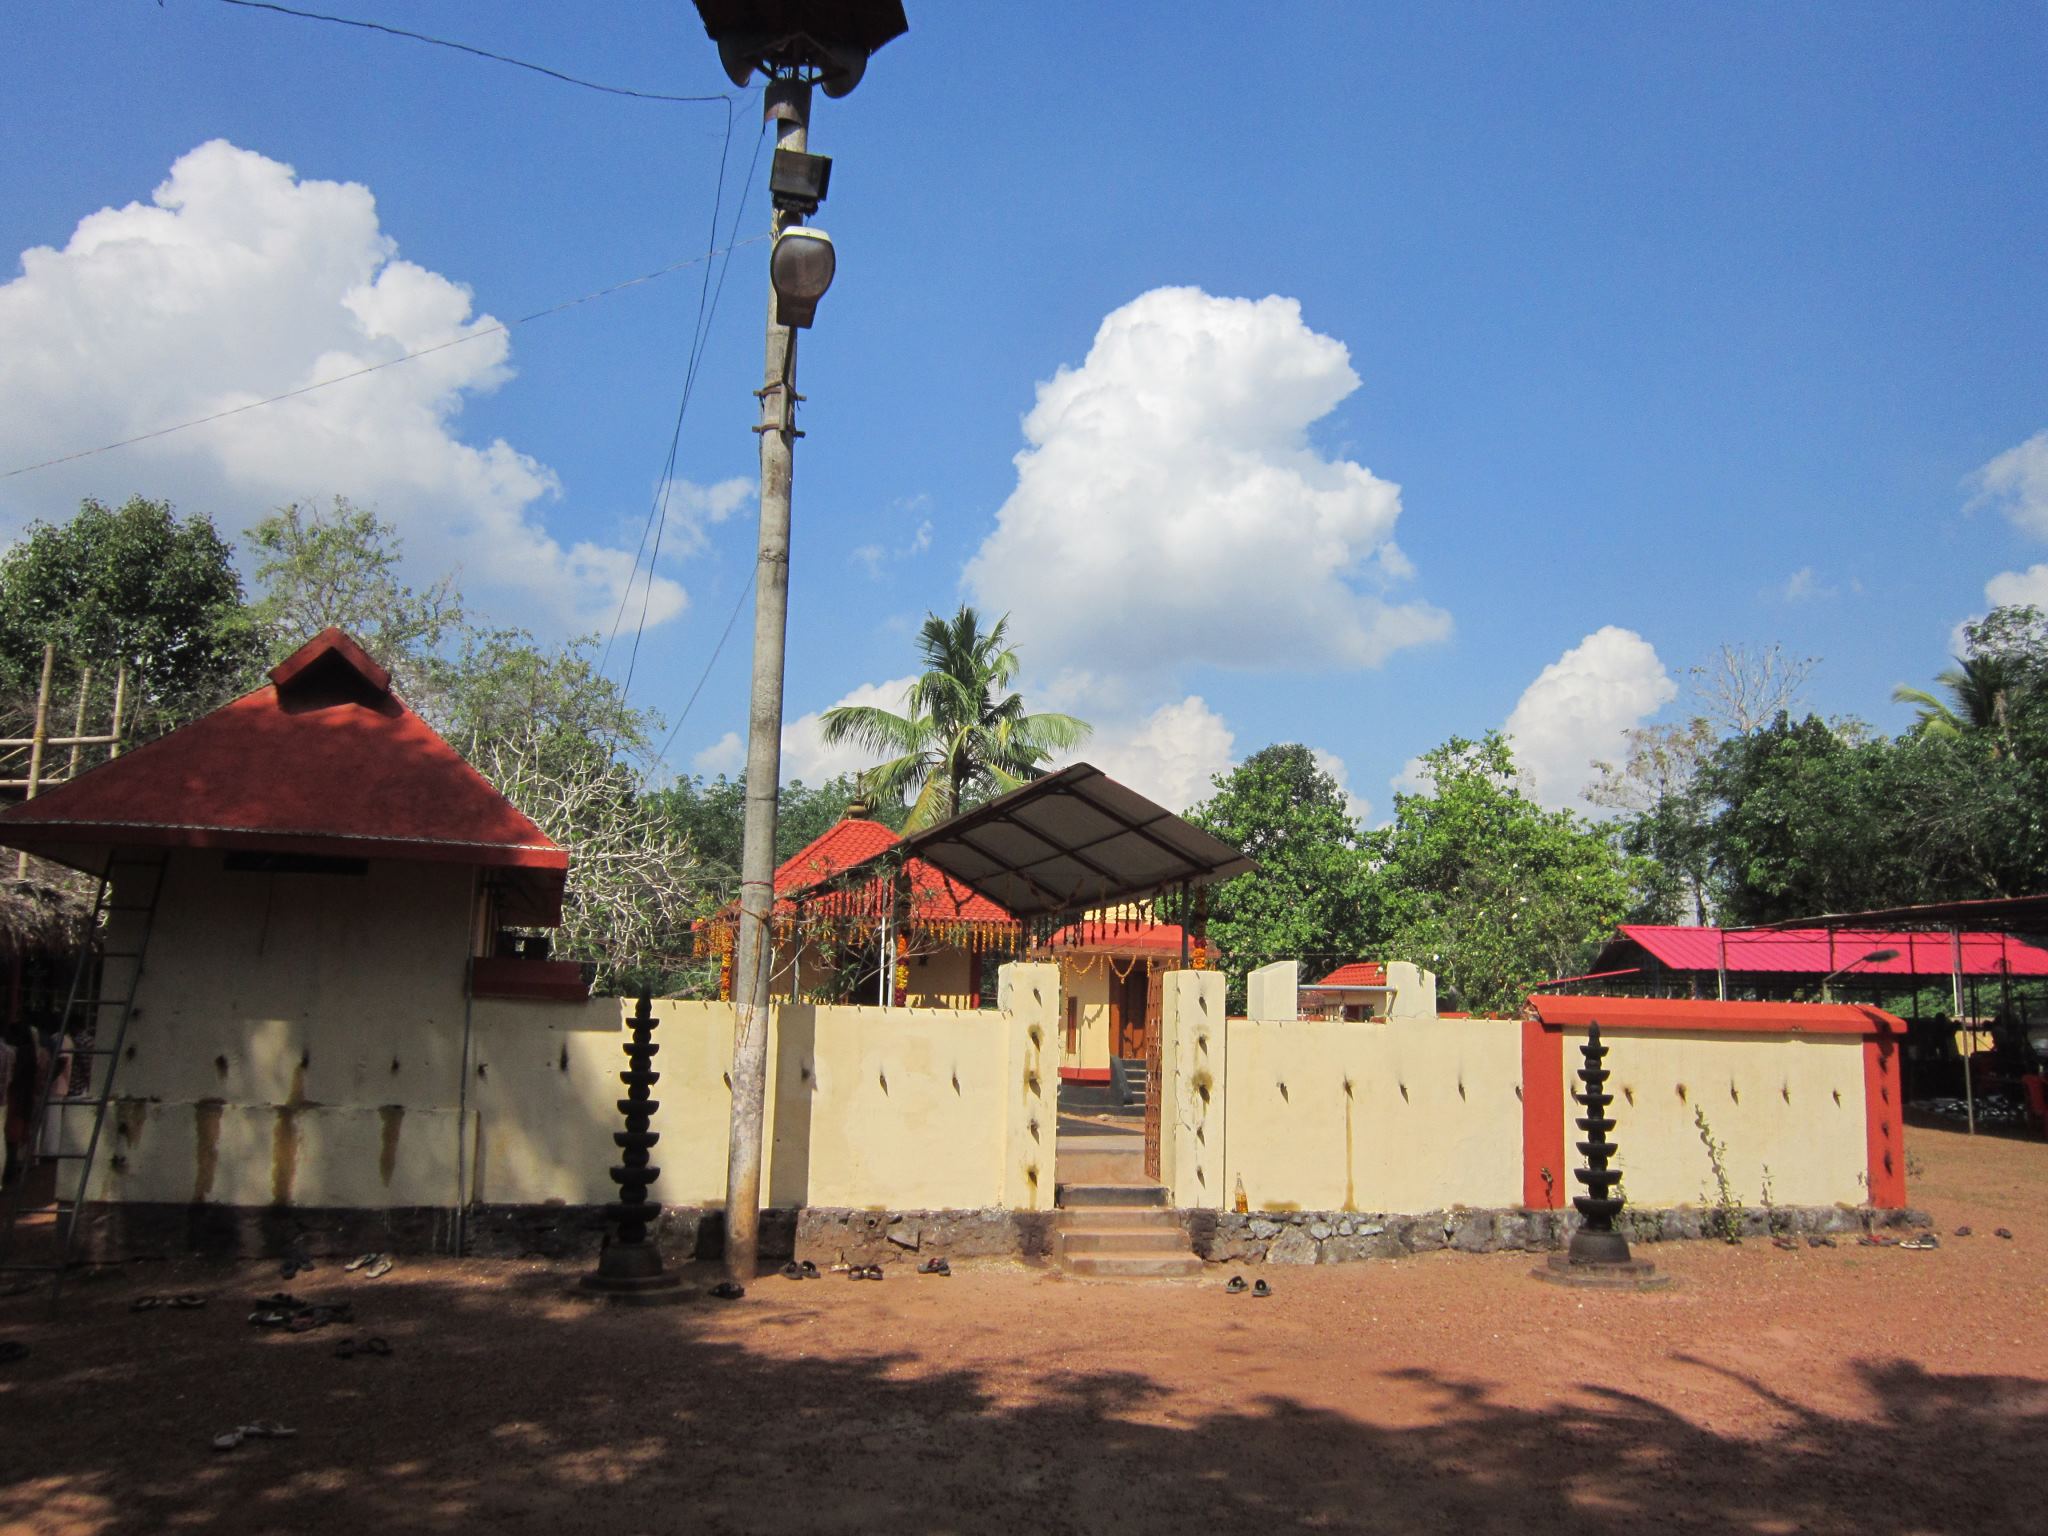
x,y
1845,1390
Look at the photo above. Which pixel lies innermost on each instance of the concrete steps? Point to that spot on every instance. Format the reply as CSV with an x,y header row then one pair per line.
x,y
1114,1224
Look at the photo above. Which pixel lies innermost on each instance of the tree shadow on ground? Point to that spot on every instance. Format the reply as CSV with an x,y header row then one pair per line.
x,y
508,1407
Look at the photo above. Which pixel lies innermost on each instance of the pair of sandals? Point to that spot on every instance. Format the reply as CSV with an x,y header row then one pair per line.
x,y
935,1266
864,1272
151,1303
295,1316
373,1265
351,1346
805,1270
263,1429
728,1290
1237,1287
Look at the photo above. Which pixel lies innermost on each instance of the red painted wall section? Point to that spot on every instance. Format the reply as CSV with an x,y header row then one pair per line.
x,y
1542,1116
1885,1128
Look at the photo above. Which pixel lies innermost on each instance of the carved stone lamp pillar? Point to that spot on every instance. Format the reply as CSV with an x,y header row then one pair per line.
x,y
630,1267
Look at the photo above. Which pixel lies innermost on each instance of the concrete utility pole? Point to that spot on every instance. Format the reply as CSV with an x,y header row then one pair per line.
x,y
787,103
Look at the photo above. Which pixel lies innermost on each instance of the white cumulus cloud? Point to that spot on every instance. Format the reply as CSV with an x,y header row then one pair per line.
x,y
1168,755
808,756
237,281
2017,482
1170,508
2016,587
1580,706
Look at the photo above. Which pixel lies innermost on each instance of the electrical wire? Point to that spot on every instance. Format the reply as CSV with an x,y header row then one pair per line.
x,y
481,53
732,618
500,328
707,313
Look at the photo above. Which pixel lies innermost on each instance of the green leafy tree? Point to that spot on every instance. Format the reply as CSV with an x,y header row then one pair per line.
x,y
1313,894
132,584
965,733
341,567
712,813
1487,888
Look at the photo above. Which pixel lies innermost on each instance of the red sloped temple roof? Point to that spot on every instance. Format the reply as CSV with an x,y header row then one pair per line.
x,y
935,896
325,760
1808,951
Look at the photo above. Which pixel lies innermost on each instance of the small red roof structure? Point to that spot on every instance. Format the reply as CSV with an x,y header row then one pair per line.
x,y
1819,951
323,760
1359,973
1121,937
935,897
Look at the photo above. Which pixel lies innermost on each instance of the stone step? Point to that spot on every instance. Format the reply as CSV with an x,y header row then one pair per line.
x,y
1142,1217
1078,1195
1103,1159
1119,1266
1074,1241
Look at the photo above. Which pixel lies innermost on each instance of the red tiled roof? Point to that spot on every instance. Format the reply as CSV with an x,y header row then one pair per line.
x,y
934,896
323,759
1359,973
1807,951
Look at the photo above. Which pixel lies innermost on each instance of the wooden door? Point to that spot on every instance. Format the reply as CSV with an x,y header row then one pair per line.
x,y
1130,1015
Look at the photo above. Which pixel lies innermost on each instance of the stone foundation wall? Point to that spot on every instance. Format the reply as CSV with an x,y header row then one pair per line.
x,y
135,1230
1343,1237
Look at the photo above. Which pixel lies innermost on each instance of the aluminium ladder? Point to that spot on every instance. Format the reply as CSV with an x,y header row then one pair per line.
x,y
108,1016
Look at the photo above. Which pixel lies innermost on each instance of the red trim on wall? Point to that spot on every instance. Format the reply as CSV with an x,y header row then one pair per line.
x,y
1084,1074
1542,1116
541,981
1886,1130
1703,1016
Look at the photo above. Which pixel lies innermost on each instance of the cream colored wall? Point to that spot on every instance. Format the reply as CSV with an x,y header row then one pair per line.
x,y
1408,1115
1414,991
1088,984
295,1038
245,1089
943,979
1792,1103
905,1108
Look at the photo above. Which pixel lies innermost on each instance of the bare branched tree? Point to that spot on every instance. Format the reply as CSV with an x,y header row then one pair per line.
x,y
631,893
1742,690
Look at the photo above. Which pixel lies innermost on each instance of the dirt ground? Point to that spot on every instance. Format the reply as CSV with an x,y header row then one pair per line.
x,y
1851,1389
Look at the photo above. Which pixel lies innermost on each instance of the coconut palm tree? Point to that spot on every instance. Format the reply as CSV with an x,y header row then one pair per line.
x,y
964,730
1980,691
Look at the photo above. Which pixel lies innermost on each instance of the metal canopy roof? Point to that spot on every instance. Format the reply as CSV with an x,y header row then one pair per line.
x,y
2009,914
1069,842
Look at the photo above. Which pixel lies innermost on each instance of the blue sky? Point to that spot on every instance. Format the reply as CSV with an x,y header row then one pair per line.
x,y
1673,326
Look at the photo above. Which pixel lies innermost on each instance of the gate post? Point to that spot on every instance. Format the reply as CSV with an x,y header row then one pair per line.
x,y
1191,1084
1028,996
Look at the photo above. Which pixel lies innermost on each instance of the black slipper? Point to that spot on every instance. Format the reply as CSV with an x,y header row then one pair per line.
x,y
792,1271
874,1271
1262,1289
810,1270
728,1290
1237,1285
935,1267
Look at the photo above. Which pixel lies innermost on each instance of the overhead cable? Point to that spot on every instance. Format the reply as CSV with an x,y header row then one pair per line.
x,y
481,53
498,328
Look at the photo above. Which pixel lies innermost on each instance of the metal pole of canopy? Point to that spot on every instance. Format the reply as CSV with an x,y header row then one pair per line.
x,y
1968,1033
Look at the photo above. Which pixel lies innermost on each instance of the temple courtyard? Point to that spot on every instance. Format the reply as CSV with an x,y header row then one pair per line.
x,y
1844,1389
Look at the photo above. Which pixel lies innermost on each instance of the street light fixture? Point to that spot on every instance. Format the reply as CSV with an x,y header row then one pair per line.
x,y
800,269
1875,957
